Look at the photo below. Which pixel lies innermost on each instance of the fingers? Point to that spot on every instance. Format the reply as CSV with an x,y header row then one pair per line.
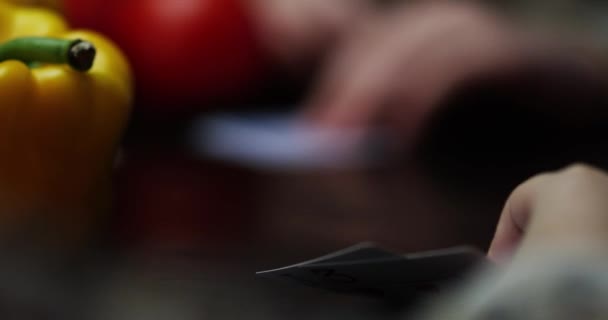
x,y
514,218
296,32
353,80
572,208
369,81
394,73
566,210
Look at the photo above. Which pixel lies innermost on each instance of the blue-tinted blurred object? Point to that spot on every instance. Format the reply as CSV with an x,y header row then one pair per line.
x,y
275,141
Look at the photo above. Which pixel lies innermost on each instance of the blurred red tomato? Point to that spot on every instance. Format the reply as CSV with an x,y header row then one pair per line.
x,y
184,52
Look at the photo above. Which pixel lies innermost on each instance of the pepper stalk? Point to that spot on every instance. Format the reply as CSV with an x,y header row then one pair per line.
x,y
78,54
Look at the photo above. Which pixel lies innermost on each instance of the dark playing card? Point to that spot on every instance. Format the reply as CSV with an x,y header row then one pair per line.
x,y
361,251
358,253
384,276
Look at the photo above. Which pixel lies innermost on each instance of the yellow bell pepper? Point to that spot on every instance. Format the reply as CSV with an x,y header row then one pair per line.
x,y
59,127
54,4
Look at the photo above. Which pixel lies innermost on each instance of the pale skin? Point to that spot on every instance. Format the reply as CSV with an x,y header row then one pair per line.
x,y
565,210
395,70
392,69
298,32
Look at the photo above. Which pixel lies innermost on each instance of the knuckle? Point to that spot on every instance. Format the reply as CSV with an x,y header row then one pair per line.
x,y
579,171
580,178
522,191
574,179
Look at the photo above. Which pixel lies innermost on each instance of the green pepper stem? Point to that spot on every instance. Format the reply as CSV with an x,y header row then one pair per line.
x,y
78,54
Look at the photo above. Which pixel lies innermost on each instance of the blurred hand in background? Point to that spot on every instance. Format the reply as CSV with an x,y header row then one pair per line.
x,y
394,70
298,32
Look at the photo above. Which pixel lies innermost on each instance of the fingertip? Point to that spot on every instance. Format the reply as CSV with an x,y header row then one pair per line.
x,y
339,111
500,257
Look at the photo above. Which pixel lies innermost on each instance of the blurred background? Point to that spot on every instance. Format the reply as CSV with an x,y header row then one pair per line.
x,y
268,132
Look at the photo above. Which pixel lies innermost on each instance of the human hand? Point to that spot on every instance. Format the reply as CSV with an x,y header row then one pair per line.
x,y
564,210
395,70
298,31
555,228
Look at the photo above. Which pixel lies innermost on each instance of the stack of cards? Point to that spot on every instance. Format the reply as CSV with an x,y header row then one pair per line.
x,y
365,269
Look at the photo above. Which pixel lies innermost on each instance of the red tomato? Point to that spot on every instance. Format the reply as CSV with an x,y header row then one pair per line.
x,y
184,52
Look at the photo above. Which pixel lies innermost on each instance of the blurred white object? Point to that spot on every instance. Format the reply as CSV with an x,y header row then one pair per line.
x,y
282,142
541,287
